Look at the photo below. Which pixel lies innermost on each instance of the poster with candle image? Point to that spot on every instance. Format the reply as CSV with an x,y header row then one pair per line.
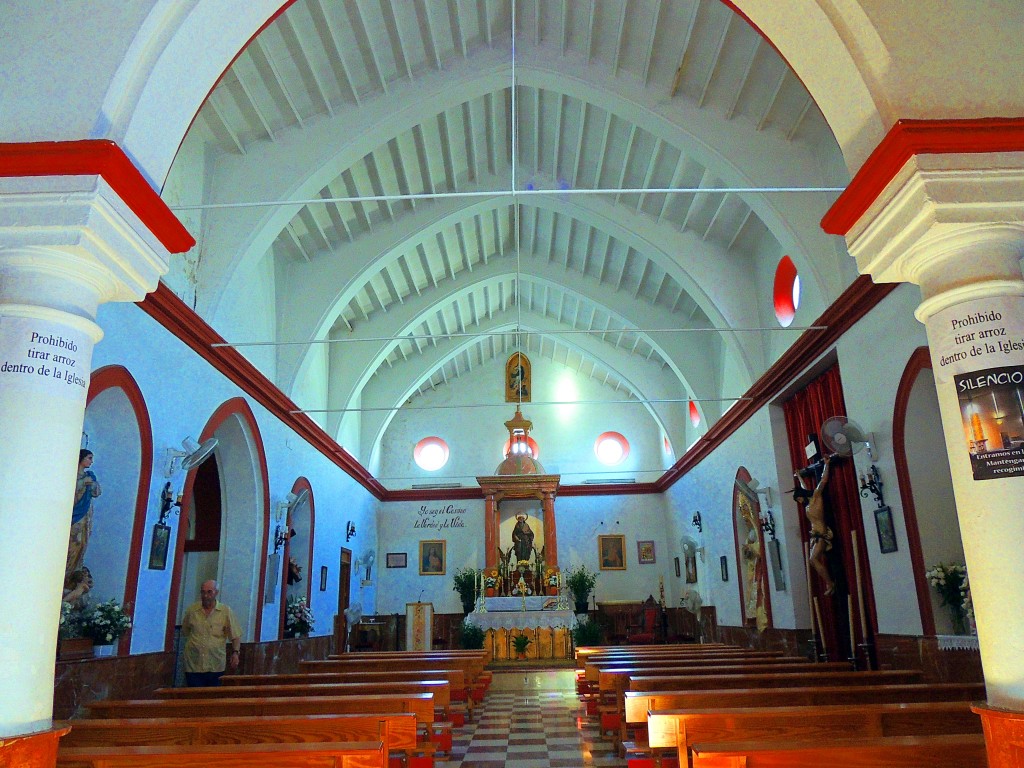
x,y
992,409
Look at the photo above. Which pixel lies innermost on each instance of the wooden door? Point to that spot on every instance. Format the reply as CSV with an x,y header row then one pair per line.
x,y
344,582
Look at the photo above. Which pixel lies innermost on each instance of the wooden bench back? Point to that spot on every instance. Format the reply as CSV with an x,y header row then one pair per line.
x,y
954,751
456,677
681,728
593,667
472,667
774,679
617,678
397,731
639,704
338,755
440,689
419,704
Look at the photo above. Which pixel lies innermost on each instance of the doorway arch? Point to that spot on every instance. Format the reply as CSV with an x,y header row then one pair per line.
x,y
245,494
916,429
117,419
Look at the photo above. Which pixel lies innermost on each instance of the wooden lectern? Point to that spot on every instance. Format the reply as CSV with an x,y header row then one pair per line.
x,y
419,626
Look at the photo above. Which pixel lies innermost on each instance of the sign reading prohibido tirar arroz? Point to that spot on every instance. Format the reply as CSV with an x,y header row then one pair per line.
x,y
992,408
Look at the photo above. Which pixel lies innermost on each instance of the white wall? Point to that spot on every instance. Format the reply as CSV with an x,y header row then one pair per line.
x,y
182,391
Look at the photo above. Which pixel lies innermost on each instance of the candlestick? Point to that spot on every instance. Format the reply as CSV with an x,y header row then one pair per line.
x,y
853,641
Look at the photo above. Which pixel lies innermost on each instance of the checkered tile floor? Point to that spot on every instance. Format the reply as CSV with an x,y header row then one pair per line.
x,y
531,720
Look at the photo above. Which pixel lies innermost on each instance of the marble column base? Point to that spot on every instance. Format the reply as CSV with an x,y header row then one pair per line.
x,y
34,750
1004,736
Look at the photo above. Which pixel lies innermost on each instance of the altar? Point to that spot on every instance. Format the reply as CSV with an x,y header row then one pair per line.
x,y
549,631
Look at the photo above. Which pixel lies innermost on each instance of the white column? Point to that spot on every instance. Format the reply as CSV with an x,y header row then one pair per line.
x,y
67,244
954,225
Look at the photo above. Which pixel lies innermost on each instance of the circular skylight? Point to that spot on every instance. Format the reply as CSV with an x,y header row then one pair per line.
x,y
786,294
611,448
431,453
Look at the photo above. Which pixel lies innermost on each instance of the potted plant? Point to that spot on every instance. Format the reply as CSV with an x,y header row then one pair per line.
x,y
298,618
471,636
551,581
586,632
491,582
71,643
580,582
465,584
521,642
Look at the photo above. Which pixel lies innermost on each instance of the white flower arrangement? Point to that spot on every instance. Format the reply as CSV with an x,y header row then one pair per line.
x,y
105,622
298,617
950,581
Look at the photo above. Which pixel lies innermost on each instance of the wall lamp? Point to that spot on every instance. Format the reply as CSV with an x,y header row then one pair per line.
x,y
350,530
697,522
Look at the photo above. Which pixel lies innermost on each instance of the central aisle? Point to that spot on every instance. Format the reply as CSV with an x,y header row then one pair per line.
x,y
531,719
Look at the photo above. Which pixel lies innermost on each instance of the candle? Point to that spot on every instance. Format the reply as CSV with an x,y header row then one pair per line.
x,y
821,629
853,641
979,433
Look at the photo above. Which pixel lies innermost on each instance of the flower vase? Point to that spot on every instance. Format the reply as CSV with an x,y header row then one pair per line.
x,y
490,591
105,650
959,617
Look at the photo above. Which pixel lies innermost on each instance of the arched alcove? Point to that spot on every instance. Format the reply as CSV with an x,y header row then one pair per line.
x,y
242,557
925,483
751,555
302,520
121,438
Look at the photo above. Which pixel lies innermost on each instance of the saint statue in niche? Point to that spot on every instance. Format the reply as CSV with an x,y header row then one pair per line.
x,y
522,539
751,559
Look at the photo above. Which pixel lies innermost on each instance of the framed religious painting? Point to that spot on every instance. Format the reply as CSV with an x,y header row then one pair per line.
x,y
691,568
396,560
886,530
678,572
611,552
645,552
432,557
159,546
723,562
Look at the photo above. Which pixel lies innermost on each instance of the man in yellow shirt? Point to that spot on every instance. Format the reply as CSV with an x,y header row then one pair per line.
x,y
207,626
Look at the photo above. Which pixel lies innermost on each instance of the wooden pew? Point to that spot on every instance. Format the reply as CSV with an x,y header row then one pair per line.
x,y
456,679
337,755
680,729
396,731
593,668
586,651
439,688
952,751
616,679
773,680
638,703
473,667
419,704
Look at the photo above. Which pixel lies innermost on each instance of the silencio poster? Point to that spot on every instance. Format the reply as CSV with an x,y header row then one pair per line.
x,y
979,347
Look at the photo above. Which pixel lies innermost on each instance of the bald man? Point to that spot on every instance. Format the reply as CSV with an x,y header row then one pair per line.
x,y
208,626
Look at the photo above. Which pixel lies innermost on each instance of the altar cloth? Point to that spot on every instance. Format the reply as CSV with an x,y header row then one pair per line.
x,y
516,603
523,619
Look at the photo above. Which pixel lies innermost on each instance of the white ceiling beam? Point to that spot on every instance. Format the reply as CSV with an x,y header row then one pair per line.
x,y
677,79
652,36
620,39
265,64
718,56
754,50
763,121
303,61
333,48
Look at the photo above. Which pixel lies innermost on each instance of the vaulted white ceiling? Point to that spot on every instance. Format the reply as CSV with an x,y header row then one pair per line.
x,y
389,176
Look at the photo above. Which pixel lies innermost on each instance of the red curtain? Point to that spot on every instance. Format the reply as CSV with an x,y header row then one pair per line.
x,y
805,412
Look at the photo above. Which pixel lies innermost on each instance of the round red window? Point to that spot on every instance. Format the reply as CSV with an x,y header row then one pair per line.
x,y
611,448
430,453
786,294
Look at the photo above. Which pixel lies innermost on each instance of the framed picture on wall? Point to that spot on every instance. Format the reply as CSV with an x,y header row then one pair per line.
x,y
432,557
323,578
723,561
396,560
611,552
158,548
886,530
645,552
677,567
691,568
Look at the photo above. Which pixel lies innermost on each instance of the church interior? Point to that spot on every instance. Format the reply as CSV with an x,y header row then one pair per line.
x,y
521,365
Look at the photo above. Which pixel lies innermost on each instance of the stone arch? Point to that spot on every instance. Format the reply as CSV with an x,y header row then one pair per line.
x,y
245,493
115,404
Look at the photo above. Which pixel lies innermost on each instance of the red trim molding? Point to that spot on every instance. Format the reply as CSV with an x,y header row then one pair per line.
x,y
236,406
919,361
118,377
99,157
178,318
918,137
856,301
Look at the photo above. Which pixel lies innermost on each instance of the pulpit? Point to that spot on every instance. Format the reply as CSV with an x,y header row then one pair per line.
x,y
419,626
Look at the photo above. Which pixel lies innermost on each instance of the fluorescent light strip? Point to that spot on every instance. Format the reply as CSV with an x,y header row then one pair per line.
x,y
512,193
484,334
531,404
